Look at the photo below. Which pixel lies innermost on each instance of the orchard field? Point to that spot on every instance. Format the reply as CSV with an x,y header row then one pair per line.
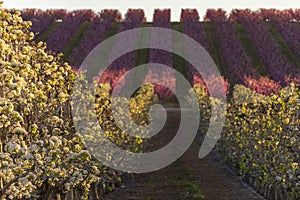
x,y
257,53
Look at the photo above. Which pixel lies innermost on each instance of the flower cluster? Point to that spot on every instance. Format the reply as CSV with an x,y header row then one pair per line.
x,y
278,64
41,154
261,139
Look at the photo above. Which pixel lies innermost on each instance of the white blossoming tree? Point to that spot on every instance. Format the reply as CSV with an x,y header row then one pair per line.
x,y
41,155
39,152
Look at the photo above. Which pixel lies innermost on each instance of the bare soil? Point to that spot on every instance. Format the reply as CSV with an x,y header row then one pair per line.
x,y
186,179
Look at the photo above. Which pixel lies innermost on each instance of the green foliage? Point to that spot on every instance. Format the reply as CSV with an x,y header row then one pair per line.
x,y
261,138
204,102
243,94
138,110
261,135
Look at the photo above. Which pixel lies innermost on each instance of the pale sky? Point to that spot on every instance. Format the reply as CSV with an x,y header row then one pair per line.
x,y
150,5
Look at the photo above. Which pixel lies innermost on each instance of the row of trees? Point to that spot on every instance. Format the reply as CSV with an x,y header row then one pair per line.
x,y
260,139
42,155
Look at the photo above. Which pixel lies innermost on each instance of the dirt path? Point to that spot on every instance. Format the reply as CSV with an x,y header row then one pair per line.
x,y
187,178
